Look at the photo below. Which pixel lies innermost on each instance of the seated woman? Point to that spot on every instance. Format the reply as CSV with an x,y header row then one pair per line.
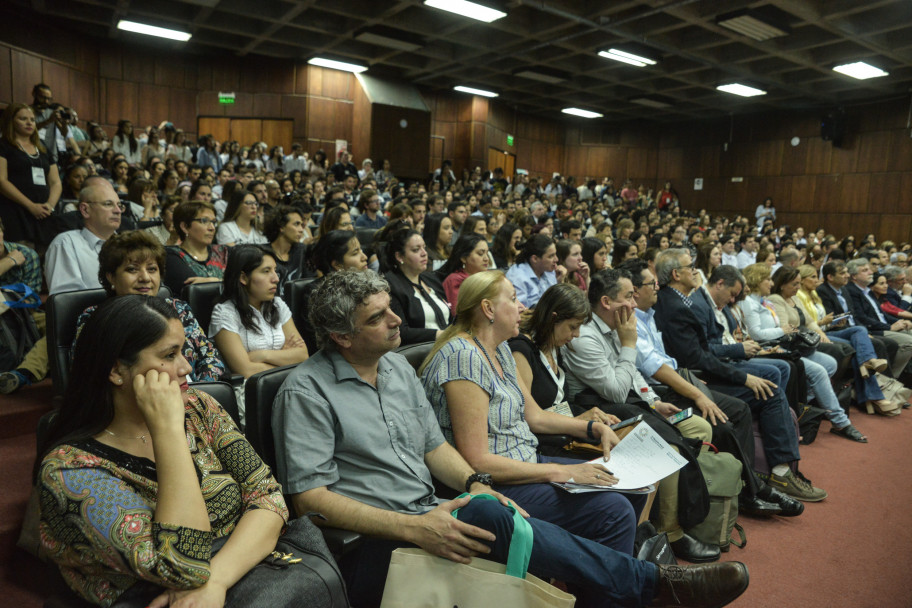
x,y
865,361
284,228
595,254
505,246
536,269
336,218
623,250
124,514
416,295
570,256
239,227
196,259
487,412
130,263
336,250
438,234
879,289
469,256
763,323
709,255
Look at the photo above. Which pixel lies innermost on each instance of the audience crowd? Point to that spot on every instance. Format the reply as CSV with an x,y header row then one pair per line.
x,y
555,307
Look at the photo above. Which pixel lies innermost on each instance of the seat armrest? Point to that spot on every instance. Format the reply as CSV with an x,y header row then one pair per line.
x,y
340,541
553,441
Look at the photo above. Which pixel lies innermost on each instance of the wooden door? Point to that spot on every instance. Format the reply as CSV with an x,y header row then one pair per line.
x,y
278,133
247,131
219,128
502,159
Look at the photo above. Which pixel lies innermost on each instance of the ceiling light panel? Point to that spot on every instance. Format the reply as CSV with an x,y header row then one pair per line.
x,y
860,70
540,75
651,103
333,64
473,10
472,91
740,89
581,113
151,30
751,25
389,40
628,58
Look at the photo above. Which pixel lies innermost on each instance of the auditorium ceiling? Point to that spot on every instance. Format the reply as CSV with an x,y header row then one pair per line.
x,y
544,56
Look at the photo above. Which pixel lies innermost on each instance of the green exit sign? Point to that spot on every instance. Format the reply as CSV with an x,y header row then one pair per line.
x,y
226,97
509,140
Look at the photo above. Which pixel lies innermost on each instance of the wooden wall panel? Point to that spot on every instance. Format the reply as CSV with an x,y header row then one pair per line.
x,y
900,148
57,76
121,101
182,106
845,160
225,76
794,158
403,146
295,106
26,73
6,76
819,155
670,163
826,194
246,130
277,132
329,120
361,124
219,128
882,194
803,193
242,106
153,104
769,160
110,65
854,193
894,224
873,152
301,78
267,105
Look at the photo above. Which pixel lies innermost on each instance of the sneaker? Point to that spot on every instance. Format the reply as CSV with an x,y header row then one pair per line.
x,y
11,381
796,487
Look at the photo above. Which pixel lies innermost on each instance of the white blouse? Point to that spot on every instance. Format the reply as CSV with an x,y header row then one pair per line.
x,y
266,337
229,232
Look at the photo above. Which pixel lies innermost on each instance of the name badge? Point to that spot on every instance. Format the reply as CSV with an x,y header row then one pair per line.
x,y
38,176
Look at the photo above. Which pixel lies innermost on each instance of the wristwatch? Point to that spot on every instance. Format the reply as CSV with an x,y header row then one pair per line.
x,y
484,478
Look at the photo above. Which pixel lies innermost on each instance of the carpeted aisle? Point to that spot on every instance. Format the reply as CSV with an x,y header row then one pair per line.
x,y
852,549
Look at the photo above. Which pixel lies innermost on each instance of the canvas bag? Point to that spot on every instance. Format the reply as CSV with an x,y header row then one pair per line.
x,y
418,579
722,472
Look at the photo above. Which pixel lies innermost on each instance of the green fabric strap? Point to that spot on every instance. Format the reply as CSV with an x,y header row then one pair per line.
x,y
520,544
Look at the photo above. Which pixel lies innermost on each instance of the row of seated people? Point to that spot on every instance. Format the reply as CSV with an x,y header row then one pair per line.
x,y
357,439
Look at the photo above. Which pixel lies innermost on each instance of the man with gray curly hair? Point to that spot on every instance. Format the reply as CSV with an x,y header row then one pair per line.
x,y
357,441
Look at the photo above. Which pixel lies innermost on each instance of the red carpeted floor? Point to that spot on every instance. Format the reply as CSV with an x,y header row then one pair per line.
x,y
851,550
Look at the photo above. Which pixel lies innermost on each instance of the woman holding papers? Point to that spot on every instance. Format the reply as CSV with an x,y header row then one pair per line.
x,y
488,413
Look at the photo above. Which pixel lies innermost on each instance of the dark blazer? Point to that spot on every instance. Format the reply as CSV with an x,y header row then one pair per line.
x,y
407,306
831,304
865,313
686,340
703,308
895,298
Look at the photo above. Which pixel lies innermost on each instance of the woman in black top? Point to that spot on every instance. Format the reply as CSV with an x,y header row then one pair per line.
x,y
416,295
29,183
284,227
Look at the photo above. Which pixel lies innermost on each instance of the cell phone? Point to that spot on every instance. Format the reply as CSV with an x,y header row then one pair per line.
x,y
682,415
625,423
838,318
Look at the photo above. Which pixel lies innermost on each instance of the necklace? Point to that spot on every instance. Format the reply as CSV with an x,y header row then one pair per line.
x,y
491,363
21,147
113,434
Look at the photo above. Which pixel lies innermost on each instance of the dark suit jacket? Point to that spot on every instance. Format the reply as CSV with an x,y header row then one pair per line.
x,y
865,314
831,304
407,306
704,308
686,340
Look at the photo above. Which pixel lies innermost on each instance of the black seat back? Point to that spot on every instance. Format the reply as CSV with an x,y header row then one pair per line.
x,y
366,237
416,353
259,395
294,297
222,392
201,298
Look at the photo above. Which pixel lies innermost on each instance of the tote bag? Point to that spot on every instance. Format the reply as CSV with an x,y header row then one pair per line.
x,y
418,579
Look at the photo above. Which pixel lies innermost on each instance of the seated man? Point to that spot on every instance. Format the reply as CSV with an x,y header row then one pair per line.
x,y
357,441
601,372
731,419
838,300
686,339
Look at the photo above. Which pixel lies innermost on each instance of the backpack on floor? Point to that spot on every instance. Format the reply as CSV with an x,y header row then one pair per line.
x,y
18,331
722,473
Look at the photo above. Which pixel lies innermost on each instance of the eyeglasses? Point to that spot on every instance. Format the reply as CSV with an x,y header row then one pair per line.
x,y
252,203
345,224
205,221
110,204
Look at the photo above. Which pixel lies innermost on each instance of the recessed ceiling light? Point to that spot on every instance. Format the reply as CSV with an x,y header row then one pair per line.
x,y
740,89
649,102
337,65
151,30
860,70
581,113
390,39
625,57
753,25
472,91
541,75
472,10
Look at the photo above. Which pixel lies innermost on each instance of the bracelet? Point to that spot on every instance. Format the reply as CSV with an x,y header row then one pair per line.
x,y
589,430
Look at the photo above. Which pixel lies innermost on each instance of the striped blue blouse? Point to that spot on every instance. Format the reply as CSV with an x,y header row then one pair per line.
x,y
508,433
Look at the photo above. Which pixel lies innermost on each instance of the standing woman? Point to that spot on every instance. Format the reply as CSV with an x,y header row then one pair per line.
x,y
126,143
196,260
416,295
29,183
97,142
595,254
178,148
239,227
153,148
570,256
119,172
148,492
470,256
438,233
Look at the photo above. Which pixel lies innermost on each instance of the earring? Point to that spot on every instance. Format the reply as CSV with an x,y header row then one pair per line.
x,y
492,320
119,381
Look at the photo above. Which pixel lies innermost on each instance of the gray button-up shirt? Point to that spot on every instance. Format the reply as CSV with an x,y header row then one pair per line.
x,y
332,429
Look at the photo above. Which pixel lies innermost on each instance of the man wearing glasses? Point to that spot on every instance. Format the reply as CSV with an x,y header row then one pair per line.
x,y
72,257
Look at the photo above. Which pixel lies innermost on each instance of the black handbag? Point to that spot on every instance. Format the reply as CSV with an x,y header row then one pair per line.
x,y
801,341
650,546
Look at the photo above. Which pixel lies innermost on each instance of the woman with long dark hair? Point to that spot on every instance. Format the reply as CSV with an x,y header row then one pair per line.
x,y
469,256
595,254
506,245
623,250
284,228
172,502
416,295
438,233
239,227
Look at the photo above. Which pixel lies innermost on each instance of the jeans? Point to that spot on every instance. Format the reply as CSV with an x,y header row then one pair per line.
x,y
599,576
818,367
865,389
780,442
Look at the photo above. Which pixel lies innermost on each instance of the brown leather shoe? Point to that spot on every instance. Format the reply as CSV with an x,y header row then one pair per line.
x,y
703,586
